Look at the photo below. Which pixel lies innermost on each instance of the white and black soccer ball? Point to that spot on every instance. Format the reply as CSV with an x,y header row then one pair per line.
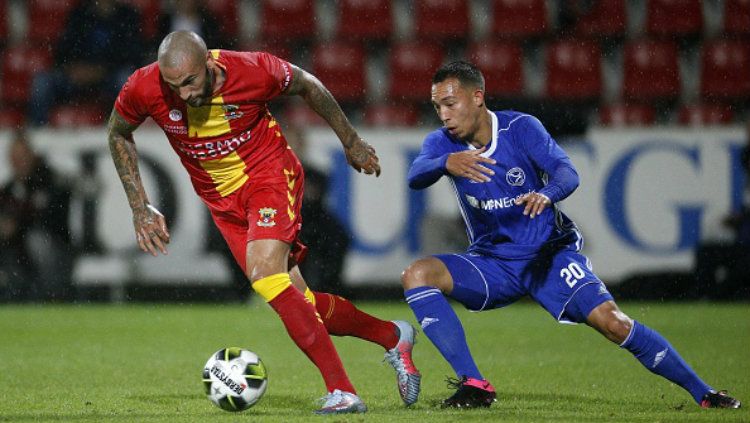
x,y
234,379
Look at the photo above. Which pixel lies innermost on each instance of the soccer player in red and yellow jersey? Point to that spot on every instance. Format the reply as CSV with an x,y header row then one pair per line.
x,y
212,106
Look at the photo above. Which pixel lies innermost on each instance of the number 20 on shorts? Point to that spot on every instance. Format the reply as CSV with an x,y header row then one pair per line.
x,y
572,274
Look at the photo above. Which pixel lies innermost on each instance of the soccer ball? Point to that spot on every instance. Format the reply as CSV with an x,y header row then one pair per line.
x,y
234,379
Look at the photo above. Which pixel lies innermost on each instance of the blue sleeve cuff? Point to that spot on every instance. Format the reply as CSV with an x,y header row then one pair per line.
x,y
426,171
561,184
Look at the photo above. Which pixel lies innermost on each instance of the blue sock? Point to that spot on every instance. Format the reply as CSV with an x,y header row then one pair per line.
x,y
440,324
658,356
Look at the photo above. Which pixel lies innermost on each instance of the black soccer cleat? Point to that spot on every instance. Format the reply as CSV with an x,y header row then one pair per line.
x,y
470,393
719,400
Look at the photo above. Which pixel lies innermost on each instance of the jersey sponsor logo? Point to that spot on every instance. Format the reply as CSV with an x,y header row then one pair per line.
x,y
515,177
175,129
427,321
493,203
267,215
214,149
232,111
175,115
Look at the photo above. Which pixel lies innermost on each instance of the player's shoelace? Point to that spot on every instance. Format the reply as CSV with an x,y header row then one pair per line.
x,y
453,383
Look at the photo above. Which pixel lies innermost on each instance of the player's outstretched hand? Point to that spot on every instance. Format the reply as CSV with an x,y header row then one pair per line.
x,y
535,203
362,157
151,230
468,164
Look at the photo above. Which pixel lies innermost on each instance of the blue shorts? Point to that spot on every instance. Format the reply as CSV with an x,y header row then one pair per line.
x,y
562,282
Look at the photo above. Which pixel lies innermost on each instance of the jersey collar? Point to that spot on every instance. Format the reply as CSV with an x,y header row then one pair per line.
x,y
493,144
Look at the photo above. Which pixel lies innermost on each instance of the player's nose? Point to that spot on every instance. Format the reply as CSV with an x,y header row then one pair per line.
x,y
444,115
184,93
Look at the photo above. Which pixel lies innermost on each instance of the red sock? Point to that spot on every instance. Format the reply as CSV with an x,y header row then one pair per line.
x,y
311,337
342,318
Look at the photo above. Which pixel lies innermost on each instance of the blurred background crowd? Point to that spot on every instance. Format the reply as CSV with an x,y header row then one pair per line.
x,y
573,63
613,62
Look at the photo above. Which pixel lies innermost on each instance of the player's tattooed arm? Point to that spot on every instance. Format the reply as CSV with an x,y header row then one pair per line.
x,y
125,156
150,225
359,154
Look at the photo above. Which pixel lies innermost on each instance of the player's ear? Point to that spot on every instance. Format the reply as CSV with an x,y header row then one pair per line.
x,y
478,97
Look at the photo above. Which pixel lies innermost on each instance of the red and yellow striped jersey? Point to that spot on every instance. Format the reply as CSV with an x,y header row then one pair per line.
x,y
226,142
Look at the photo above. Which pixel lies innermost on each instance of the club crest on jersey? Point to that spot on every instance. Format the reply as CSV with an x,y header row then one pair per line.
x,y
515,177
267,215
231,111
175,115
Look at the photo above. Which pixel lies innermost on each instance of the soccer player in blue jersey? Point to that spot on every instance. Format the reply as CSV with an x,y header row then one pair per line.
x,y
508,175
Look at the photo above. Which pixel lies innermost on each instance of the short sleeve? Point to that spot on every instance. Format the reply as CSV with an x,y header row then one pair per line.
x,y
130,104
278,74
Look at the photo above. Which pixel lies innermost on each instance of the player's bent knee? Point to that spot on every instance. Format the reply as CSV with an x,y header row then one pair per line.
x,y
257,271
410,278
428,271
419,273
262,263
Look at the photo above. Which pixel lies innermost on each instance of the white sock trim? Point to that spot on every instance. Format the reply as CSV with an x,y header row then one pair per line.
x,y
630,335
423,294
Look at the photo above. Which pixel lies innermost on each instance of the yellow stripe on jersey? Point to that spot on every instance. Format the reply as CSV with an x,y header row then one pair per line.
x,y
289,174
273,123
228,173
290,213
208,121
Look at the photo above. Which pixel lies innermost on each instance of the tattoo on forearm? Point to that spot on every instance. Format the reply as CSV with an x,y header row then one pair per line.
x,y
125,157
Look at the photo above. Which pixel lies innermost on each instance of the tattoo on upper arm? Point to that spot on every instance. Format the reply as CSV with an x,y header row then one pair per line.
x,y
117,124
125,157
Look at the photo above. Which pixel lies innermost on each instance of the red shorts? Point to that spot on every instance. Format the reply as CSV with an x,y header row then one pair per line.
x,y
267,206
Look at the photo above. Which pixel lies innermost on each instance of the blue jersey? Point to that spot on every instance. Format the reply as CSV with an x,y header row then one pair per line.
x,y
527,159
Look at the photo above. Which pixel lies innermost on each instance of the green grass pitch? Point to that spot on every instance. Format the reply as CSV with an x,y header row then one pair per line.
x,y
138,363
